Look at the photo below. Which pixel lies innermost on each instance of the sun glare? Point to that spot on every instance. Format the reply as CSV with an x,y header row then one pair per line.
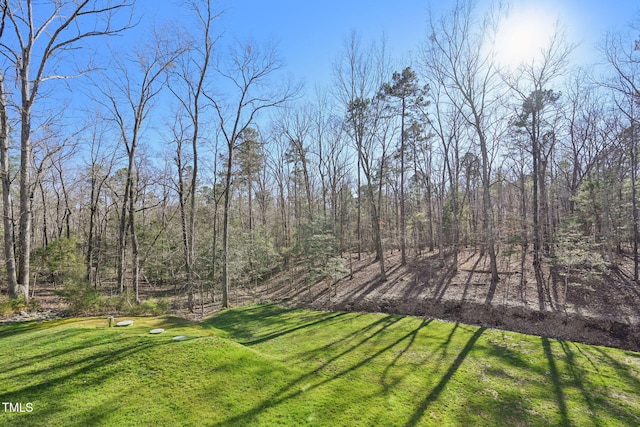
x,y
522,35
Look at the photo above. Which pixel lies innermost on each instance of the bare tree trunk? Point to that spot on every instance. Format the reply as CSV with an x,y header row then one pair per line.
x,y
185,222
93,207
634,204
94,199
225,228
375,224
7,216
134,243
45,227
403,209
123,227
24,241
488,214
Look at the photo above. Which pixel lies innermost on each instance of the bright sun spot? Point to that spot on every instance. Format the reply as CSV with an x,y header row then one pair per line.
x,y
522,35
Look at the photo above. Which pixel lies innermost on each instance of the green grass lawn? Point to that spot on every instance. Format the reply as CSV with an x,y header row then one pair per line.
x,y
265,365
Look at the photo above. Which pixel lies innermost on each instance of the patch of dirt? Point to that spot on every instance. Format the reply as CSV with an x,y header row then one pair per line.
x,y
601,309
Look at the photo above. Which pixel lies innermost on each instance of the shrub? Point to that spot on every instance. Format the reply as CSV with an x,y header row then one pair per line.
x,y
60,260
15,305
155,306
317,246
5,306
125,303
80,296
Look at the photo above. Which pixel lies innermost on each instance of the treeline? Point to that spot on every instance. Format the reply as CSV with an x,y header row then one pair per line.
x,y
247,177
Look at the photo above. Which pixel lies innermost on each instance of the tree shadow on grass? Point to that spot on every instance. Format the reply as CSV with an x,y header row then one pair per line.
x,y
11,329
388,383
439,388
603,401
240,323
580,380
293,389
49,383
556,382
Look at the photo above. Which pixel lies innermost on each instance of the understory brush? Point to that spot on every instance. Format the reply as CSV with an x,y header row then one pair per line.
x,y
16,305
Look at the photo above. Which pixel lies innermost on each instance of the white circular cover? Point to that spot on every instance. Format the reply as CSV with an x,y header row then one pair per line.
x,y
125,323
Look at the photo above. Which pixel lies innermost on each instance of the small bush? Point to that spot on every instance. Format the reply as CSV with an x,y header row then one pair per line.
x,y
80,297
15,305
18,304
5,307
125,303
59,261
155,306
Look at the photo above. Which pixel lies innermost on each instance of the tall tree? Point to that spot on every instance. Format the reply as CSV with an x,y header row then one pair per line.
x,y
359,74
7,217
250,163
622,58
102,160
130,90
296,126
455,57
375,128
43,36
247,70
353,73
530,82
404,87
188,86
540,134
447,125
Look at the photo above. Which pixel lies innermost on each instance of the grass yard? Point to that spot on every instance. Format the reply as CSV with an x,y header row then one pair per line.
x,y
267,366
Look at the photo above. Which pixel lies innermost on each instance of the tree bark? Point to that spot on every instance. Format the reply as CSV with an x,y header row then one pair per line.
x,y
7,216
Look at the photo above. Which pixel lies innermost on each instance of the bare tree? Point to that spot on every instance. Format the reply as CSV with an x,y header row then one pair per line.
x,y
447,125
376,130
130,90
37,47
537,116
624,61
188,85
359,74
455,56
102,161
296,126
247,71
354,82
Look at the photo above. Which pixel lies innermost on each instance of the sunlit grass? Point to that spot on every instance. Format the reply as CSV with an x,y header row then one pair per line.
x,y
265,365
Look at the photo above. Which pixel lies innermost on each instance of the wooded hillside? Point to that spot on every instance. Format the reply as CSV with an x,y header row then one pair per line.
x,y
194,162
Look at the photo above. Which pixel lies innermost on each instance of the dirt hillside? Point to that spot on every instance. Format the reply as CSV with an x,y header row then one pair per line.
x,y
602,309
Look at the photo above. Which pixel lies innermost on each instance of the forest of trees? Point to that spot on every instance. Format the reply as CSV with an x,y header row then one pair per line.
x,y
254,173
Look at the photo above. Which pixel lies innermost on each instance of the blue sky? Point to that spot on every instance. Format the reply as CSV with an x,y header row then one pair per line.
x,y
310,33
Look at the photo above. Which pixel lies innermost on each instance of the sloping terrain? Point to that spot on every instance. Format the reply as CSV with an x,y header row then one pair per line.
x,y
588,307
266,365
585,306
